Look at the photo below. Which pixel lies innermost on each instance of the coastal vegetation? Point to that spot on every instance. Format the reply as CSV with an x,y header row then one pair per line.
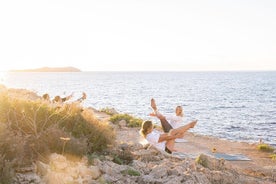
x,y
265,147
273,157
44,142
130,120
130,172
109,111
31,130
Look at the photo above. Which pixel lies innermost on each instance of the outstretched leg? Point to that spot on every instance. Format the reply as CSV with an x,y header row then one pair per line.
x,y
165,124
179,132
170,145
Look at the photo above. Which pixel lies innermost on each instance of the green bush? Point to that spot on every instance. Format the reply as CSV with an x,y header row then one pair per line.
x,y
130,120
273,156
91,157
118,160
109,111
130,172
202,161
265,148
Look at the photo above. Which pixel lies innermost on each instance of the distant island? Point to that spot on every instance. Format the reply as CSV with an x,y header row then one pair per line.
x,y
50,69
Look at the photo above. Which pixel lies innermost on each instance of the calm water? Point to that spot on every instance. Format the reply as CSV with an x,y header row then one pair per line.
x,y
232,105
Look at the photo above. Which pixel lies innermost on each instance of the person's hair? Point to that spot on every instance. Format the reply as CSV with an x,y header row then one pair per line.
x,y
46,96
57,99
146,125
179,107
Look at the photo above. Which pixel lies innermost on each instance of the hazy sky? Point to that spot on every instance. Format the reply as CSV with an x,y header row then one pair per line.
x,y
139,35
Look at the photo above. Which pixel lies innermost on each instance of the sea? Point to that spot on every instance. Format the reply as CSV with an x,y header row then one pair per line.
x,y
237,106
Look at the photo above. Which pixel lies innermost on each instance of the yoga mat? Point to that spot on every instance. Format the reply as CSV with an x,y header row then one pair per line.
x,y
230,157
184,155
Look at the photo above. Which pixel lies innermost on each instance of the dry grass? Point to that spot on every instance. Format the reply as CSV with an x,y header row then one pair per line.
x,y
32,129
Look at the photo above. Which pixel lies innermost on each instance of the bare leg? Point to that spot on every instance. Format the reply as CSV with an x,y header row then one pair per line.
x,y
170,145
179,132
154,107
165,124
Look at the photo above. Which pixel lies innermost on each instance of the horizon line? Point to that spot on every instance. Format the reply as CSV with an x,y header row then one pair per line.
x,y
237,70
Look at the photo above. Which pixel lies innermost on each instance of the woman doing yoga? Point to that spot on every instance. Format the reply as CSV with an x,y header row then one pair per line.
x,y
163,141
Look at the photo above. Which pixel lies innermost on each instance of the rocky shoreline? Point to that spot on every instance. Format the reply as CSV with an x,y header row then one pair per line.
x,y
131,161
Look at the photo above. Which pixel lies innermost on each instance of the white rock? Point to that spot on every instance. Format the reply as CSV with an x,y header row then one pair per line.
x,y
96,173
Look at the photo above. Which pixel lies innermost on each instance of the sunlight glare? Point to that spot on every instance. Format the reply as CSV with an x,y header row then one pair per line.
x,y
3,76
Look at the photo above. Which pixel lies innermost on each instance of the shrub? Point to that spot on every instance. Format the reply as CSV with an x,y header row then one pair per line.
x,y
201,160
117,160
131,121
94,156
109,111
100,133
12,145
6,170
265,148
273,156
26,117
32,129
130,172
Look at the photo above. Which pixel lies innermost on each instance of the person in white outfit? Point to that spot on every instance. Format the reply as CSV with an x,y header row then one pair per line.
x,y
163,141
176,120
168,122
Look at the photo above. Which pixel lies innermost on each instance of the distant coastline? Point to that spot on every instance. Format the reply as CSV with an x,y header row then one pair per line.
x,y
50,69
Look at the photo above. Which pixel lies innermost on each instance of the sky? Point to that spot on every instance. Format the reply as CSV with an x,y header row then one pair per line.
x,y
138,35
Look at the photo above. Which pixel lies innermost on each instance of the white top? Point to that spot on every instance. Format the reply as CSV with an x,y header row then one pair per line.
x,y
153,138
174,120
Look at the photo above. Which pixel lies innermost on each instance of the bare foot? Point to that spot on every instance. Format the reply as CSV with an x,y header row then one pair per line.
x,y
153,104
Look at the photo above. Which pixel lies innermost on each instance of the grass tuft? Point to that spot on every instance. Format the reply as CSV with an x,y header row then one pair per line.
x,y
130,172
130,120
265,148
273,157
202,161
109,111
